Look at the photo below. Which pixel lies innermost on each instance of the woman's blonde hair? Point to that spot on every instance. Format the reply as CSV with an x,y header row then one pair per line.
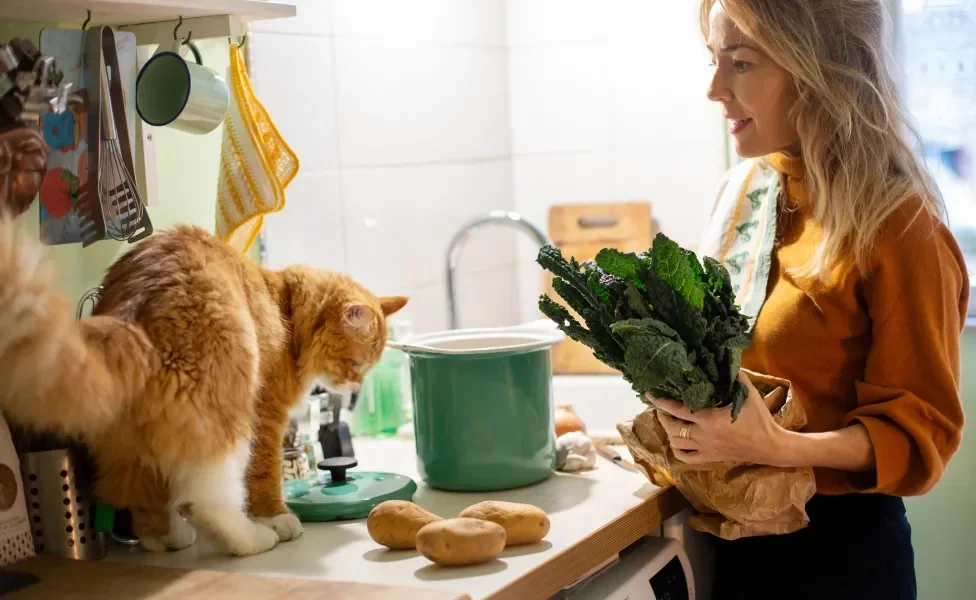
x,y
854,133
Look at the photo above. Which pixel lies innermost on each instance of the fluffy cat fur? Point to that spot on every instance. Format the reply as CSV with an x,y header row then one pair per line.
x,y
181,382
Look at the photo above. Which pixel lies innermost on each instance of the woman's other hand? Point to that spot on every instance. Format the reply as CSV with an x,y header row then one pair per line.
x,y
710,436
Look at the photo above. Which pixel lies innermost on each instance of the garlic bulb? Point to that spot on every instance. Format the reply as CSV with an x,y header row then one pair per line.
x,y
575,452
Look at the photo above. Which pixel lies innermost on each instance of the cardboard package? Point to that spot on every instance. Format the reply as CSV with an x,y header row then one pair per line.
x,y
733,500
16,541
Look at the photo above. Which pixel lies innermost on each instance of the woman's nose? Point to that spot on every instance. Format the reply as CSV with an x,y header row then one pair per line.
x,y
717,91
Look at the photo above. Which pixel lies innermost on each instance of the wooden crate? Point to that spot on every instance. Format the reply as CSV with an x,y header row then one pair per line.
x,y
580,231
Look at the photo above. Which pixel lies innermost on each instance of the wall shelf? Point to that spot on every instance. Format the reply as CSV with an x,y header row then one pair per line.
x,y
139,12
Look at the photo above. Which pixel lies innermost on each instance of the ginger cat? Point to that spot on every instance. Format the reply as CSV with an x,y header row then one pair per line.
x,y
181,382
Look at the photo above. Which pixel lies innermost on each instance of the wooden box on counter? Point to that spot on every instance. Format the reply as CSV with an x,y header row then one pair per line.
x,y
580,231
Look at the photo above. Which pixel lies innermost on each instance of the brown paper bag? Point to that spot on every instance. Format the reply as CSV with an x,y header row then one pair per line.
x,y
733,500
16,541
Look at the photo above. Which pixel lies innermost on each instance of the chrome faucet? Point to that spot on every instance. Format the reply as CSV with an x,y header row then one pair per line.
x,y
495,217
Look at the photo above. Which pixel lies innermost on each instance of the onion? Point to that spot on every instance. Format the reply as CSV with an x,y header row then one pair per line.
x,y
567,420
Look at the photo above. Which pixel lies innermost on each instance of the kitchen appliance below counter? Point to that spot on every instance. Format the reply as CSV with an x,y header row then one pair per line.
x,y
483,407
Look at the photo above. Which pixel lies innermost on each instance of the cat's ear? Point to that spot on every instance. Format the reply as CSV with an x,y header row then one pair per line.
x,y
358,318
392,304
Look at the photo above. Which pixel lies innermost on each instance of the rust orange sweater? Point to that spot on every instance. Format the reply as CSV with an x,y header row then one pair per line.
x,y
881,350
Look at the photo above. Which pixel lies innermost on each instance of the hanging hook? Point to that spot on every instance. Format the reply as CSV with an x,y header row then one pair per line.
x,y
87,19
240,44
176,29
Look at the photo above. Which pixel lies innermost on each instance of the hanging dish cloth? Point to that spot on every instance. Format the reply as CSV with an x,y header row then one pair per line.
x,y
742,231
256,164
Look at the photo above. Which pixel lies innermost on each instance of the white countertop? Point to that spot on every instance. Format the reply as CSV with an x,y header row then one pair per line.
x,y
578,505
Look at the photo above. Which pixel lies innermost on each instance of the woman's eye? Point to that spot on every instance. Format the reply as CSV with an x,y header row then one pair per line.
x,y
740,66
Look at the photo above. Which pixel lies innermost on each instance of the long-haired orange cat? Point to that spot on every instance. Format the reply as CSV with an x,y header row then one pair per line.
x,y
181,382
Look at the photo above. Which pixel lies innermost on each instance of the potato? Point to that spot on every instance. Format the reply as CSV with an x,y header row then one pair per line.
x,y
454,542
395,524
523,523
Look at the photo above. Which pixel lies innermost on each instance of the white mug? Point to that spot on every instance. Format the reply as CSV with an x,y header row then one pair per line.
x,y
175,93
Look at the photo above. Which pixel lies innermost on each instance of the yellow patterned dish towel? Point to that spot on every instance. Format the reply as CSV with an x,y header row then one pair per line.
x,y
256,164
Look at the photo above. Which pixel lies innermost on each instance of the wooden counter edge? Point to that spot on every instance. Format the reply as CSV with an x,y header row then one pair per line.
x,y
574,562
91,580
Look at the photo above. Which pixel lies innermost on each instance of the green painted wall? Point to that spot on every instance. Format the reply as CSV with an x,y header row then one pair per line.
x,y
944,530
187,175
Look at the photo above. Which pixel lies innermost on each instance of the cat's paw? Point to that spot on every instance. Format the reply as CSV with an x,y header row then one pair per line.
x,y
261,539
286,525
181,535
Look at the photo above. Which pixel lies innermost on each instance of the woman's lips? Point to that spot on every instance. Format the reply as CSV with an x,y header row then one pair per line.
x,y
738,125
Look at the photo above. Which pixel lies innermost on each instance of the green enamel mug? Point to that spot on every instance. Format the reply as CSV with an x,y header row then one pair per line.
x,y
187,96
483,408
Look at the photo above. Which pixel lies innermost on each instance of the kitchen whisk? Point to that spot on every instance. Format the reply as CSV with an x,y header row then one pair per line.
x,y
118,193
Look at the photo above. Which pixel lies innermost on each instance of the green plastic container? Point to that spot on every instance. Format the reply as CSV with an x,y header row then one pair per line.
x,y
483,409
379,408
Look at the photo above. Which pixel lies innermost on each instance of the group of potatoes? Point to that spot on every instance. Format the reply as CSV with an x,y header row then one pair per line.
x,y
477,535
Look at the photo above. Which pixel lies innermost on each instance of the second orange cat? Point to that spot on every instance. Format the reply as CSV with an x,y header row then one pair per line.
x,y
181,382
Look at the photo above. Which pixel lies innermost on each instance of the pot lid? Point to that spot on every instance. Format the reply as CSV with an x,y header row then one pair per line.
x,y
522,338
341,495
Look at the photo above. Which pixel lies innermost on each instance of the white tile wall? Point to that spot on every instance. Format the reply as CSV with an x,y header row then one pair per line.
x,y
475,22
532,22
310,230
314,17
412,117
560,98
292,76
405,103
399,114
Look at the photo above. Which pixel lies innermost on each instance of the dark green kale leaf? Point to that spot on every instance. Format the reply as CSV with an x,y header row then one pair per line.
x,y
636,301
551,259
666,321
672,265
618,264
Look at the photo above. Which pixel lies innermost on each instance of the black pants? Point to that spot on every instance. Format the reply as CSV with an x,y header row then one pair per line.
x,y
857,547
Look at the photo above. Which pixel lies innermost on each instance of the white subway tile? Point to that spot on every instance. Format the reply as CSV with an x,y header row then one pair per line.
x,y
555,21
450,21
426,309
409,103
658,97
378,237
445,198
487,298
312,17
559,99
309,230
293,78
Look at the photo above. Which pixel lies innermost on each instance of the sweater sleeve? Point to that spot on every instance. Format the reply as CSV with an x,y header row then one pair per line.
x,y
909,402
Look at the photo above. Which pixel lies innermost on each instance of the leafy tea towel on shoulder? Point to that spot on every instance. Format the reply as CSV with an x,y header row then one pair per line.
x,y
742,231
256,164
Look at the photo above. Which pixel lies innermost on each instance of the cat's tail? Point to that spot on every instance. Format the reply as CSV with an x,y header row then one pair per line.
x,y
58,373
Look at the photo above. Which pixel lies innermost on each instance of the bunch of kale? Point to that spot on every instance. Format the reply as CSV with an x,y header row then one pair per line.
x,y
667,323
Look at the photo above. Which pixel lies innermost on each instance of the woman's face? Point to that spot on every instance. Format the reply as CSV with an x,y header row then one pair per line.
x,y
756,93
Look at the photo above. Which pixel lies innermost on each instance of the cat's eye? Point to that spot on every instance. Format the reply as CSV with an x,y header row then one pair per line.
x,y
355,364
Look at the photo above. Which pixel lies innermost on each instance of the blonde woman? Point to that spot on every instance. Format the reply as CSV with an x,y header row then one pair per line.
x,y
863,293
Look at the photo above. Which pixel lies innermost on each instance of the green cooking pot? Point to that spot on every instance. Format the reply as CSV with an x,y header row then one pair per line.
x,y
483,410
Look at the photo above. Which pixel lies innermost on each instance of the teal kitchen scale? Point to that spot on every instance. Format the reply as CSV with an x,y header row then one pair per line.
x,y
340,494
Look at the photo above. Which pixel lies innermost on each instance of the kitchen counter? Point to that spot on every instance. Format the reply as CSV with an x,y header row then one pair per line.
x,y
593,514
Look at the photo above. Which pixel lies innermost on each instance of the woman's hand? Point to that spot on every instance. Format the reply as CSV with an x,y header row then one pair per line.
x,y
710,436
